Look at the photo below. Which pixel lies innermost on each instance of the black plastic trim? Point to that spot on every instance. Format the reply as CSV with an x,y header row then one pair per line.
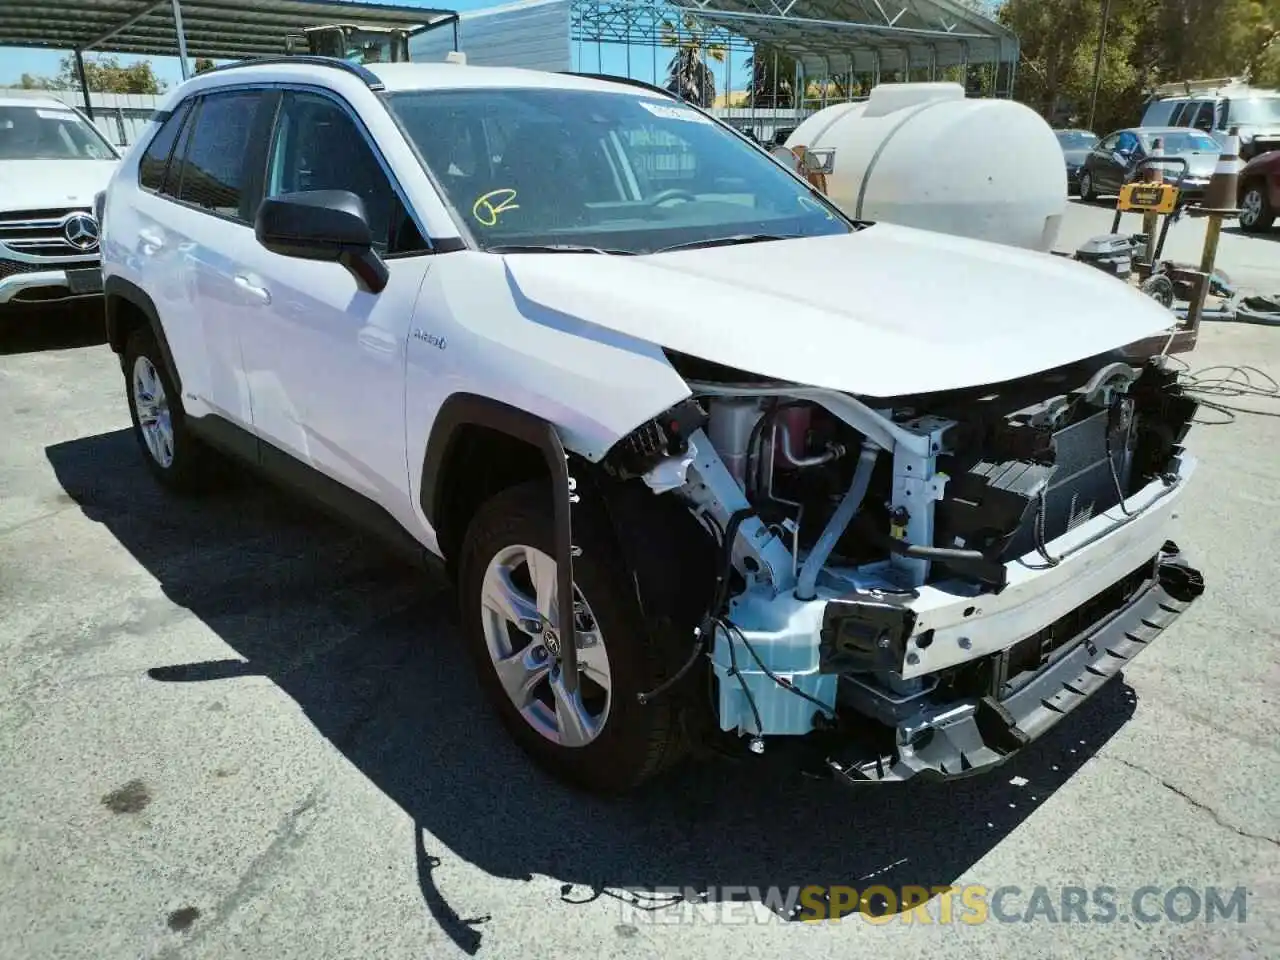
x,y
117,290
368,77
997,730
463,409
328,495
448,245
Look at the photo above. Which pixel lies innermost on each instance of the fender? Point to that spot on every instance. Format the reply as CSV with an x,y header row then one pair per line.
x,y
117,290
463,409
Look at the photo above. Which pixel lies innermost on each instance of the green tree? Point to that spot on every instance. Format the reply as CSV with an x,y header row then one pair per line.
x,y
30,82
202,65
105,74
1147,42
772,78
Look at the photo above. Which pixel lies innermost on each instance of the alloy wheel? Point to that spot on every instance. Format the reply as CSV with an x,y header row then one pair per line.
x,y
1251,208
520,617
152,406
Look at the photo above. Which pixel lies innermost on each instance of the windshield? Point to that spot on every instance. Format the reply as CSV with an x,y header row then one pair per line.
x,y
1257,111
50,133
610,171
1182,141
1076,139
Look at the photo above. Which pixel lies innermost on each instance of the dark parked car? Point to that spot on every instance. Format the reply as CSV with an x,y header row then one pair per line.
x,y
1260,192
1076,145
1116,159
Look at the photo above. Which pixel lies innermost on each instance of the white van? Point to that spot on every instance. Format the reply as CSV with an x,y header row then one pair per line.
x,y
1215,106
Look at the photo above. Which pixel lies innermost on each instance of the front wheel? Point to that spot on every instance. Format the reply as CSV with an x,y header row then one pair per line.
x,y
1087,187
597,736
1256,212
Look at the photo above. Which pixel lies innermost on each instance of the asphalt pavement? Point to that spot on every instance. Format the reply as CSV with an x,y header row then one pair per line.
x,y
229,728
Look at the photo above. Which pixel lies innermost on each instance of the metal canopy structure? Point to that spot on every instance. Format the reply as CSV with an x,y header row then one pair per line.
x,y
217,29
914,39
831,37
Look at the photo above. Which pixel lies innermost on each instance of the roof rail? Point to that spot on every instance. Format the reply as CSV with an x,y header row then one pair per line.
x,y
1190,88
367,76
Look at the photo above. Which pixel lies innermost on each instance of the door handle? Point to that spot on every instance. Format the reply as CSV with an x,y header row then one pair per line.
x,y
152,240
259,293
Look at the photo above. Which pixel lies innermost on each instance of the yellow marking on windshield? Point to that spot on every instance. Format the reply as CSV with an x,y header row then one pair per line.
x,y
488,208
815,205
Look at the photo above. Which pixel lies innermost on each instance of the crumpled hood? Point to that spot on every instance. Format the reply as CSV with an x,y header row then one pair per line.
x,y
887,310
50,184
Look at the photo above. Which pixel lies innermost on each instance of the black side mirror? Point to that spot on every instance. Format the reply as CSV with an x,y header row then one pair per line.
x,y
328,225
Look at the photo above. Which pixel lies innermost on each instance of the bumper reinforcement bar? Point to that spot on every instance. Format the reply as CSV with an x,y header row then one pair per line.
x,y
974,736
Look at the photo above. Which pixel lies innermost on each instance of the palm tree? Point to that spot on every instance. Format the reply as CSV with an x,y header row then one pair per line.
x,y
772,78
689,75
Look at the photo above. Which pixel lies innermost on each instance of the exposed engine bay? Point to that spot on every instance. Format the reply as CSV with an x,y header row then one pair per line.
x,y
908,566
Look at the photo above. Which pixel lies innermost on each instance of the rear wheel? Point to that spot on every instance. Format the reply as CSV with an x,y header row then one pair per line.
x,y
598,737
174,457
1256,212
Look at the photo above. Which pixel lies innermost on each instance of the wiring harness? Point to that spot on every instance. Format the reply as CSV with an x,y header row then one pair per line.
x,y
1214,385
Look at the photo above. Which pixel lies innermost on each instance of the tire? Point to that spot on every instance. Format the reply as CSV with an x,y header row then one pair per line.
x,y
1086,187
173,455
1256,213
628,742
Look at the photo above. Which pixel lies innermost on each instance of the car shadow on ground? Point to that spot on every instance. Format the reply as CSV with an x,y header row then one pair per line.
x,y
27,329
370,651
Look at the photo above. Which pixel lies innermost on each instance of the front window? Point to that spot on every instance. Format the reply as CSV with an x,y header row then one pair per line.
x,y
1076,139
613,171
50,133
1182,141
1256,111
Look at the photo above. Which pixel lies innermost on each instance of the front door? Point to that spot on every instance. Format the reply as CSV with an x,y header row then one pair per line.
x,y
325,362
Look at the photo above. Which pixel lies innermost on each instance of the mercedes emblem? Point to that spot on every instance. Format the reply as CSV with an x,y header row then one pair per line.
x,y
81,231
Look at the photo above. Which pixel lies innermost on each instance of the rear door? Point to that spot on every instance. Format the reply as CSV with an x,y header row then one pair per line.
x,y
159,253
218,180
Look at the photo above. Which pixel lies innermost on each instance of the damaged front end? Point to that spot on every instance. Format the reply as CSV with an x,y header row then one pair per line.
x,y
930,582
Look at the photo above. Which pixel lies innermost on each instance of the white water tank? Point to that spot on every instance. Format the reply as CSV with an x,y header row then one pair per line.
x,y
922,155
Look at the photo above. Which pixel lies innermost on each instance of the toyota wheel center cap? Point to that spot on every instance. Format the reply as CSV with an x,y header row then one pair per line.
x,y
551,642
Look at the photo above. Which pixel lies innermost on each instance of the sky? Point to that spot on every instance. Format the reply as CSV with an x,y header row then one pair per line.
x,y
14,62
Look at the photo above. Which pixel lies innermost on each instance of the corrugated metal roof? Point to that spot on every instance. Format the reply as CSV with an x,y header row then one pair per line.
x,y
218,29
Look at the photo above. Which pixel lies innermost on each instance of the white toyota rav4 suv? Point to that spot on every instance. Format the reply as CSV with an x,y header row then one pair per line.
x,y
52,163
711,464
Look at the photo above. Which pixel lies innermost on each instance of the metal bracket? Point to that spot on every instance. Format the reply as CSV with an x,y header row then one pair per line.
x,y
917,486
